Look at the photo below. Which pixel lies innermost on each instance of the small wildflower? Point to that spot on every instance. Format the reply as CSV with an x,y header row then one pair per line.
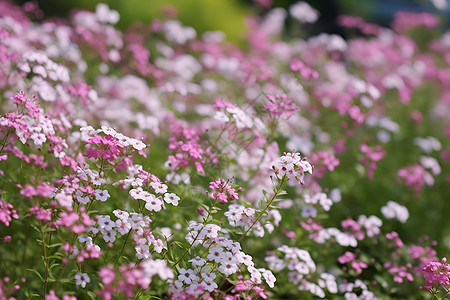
x,y
81,279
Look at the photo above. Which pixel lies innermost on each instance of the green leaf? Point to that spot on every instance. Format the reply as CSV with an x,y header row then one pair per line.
x,y
37,273
53,266
55,256
35,228
55,245
29,296
281,193
179,244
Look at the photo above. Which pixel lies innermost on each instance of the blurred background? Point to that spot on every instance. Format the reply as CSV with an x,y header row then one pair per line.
x,y
229,15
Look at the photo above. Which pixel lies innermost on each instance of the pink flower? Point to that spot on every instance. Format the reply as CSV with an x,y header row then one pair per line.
x,y
437,273
223,190
304,70
51,296
281,105
7,213
107,275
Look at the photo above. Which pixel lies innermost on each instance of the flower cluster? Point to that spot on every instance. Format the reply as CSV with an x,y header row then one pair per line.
x,y
292,166
222,190
224,204
7,213
437,273
222,257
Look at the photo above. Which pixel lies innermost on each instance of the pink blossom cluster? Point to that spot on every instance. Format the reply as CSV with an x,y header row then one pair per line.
x,y
323,161
305,71
406,20
420,174
7,213
223,191
280,105
189,149
372,156
350,258
437,273
401,273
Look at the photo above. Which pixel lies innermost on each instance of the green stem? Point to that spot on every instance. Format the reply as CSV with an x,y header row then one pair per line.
x,y
27,234
219,136
185,252
5,139
44,246
156,219
192,244
283,180
123,246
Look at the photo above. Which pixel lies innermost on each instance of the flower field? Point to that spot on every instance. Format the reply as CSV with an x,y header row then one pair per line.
x,y
158,162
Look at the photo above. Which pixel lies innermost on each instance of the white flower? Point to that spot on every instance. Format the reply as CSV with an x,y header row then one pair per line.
x,y
427,162
335,195
187,276
96,180
137,193
123,226
38,138
303,12
275,264
171,198
221,117
105,223
209,285
428,144
108,130
346,240
242,119
198,261
244,259
82,279
109,236
106,15
159,188
142,251
216,254
123,215
154,204
330,282
293,166
309,211
83,200
228,268
176,33
393,210
101,195
372,224
269,277
256,275
325,203
138,145
85,239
